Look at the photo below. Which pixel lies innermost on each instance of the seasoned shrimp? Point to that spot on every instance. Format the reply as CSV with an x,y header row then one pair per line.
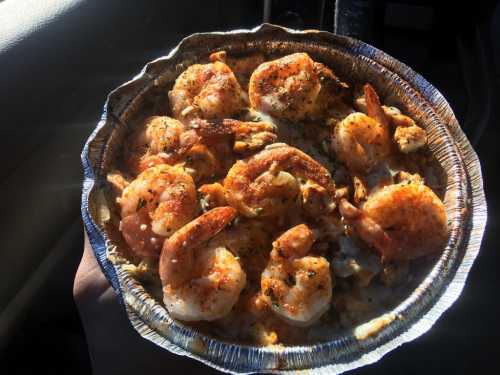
x,y
206,91
158,202
164,140
361,141
201,162
200,282
373,107
248,136
285,88
250,240
252,136
242,66
294,87
117,181
267,183
212,195
408,136
402,221
161,140
297,286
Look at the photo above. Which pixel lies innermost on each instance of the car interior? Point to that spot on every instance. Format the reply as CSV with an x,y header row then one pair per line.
x,y
59,59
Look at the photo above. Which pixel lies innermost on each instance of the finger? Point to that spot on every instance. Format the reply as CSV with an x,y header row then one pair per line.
x,y
90,283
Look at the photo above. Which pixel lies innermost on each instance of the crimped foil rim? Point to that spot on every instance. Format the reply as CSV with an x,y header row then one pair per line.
x,y
143,312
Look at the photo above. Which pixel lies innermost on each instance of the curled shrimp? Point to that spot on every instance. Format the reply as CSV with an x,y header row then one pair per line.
x,y
267,183
402,221
297,286
158,202
242,66
361,141
248,136
286,87
293,87
201,161
206,91
200,282
164,140
212,195
408,136
161,140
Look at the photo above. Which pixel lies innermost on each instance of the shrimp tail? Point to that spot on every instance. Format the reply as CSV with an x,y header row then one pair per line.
x,y
177,257
220,56
186,141
117,181
373,106
365,227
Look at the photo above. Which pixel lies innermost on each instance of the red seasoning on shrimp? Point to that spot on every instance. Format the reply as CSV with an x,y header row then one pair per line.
x,y
277,201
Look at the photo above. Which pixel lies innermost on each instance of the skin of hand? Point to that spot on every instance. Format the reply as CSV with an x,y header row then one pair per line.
x,y
114,345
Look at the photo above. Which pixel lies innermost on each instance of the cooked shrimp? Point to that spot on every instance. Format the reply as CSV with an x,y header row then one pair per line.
x,y
117,181
294,87
267,183
200,282
164,140
361,141
297,286
158,202
408,136
248,136
285,88
402,221
373,107
253,136
201,162
212,195
242,66
408,178
161,140
206,91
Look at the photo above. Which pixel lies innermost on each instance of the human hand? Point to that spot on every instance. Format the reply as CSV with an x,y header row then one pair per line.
x,y
114,345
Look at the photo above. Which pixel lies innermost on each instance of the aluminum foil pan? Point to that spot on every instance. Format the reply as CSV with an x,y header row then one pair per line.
x,y
353,61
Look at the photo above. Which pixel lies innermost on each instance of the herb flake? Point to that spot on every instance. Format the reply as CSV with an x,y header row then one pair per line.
x,y
142,202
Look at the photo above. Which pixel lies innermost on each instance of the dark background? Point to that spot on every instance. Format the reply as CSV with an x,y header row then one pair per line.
x,y
54,81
